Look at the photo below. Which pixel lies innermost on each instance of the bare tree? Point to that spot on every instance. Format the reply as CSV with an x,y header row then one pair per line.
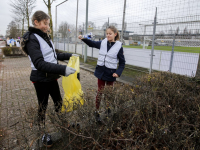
x,y
105,25
20,19
22,10
48,3
185,31
80,27
63,28
12,28
197,33
29,5
170,31
18,10
115,24
91,25
189,34
72,29
162,33
177,30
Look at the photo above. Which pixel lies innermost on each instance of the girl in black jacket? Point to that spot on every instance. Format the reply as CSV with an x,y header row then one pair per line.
x,y
44,63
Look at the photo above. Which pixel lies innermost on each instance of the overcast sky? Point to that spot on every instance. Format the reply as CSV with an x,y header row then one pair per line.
x,y
137,12
6,14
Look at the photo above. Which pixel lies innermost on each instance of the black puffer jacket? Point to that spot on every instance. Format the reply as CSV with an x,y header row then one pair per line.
x,y
46,71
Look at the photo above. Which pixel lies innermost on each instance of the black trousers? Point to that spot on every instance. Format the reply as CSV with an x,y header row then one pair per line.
x,y
43,89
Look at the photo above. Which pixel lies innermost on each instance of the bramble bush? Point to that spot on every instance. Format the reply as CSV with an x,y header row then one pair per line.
x,y
7,50
158,111
12,51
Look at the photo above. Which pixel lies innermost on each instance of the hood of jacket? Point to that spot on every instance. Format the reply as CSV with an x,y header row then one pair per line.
x,y
25,38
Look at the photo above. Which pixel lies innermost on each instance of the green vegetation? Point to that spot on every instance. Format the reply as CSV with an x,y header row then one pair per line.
x,y
130,71
7,50
90,61
159,111
169,48
12,51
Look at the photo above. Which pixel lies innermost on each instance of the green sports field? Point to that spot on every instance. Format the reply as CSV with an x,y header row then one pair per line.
x,y
169,48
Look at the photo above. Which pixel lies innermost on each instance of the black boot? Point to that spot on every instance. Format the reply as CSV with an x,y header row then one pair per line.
x,y
108,112
97,117
46,140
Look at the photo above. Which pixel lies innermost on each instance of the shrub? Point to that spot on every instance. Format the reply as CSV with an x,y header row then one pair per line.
x,y
158,111
12,51
7,50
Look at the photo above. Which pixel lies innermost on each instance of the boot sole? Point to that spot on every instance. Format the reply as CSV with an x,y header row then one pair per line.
x,y
48,146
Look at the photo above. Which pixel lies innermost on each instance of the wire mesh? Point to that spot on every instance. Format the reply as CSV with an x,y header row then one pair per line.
x,y
176,36
176,49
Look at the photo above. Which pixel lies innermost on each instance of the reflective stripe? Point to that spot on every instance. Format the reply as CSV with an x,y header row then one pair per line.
x,y
102,54
53,61
109,58
47,53
33,68
110,62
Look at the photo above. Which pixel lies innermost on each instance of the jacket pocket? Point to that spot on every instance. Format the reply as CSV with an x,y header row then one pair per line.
x,y
112,70
41,74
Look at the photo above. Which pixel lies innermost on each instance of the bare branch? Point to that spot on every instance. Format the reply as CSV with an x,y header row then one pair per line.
x,y
45,3
52,2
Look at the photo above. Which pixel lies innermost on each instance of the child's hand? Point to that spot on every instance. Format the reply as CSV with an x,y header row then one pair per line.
x,y
80,37
115,75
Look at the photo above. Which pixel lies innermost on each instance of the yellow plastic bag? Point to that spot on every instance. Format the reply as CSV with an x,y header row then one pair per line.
x,y
72,88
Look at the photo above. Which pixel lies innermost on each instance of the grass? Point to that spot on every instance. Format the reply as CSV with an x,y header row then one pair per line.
x,y
169,48
90,61
130,71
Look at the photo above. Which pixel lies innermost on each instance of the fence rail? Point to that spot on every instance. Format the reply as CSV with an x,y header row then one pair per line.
x,y
176,43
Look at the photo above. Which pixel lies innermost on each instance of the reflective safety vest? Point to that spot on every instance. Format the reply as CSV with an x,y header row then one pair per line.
x,y
109,59
48,53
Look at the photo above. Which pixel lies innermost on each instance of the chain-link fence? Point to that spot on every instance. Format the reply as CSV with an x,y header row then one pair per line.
x,y
157,35
175,46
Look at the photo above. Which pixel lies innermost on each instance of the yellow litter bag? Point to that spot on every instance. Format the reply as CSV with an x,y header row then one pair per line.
x,y
72,88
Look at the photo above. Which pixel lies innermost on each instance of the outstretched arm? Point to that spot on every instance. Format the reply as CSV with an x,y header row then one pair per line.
x,y
90,43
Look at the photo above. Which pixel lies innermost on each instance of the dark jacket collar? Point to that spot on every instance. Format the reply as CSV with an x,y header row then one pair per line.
x,y
110,43
38,31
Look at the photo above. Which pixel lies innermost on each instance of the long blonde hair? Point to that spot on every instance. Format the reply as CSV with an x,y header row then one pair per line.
x,y
114,29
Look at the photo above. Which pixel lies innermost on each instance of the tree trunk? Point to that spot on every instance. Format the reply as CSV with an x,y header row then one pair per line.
x,y
27,14
22,26
51,23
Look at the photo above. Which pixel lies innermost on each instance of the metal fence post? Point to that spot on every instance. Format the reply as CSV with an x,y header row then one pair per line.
x,y
172,53
124,12
152,49
144,37
56,28
92,51
82,49
68,43
86,26
64,43
58,44
76,27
